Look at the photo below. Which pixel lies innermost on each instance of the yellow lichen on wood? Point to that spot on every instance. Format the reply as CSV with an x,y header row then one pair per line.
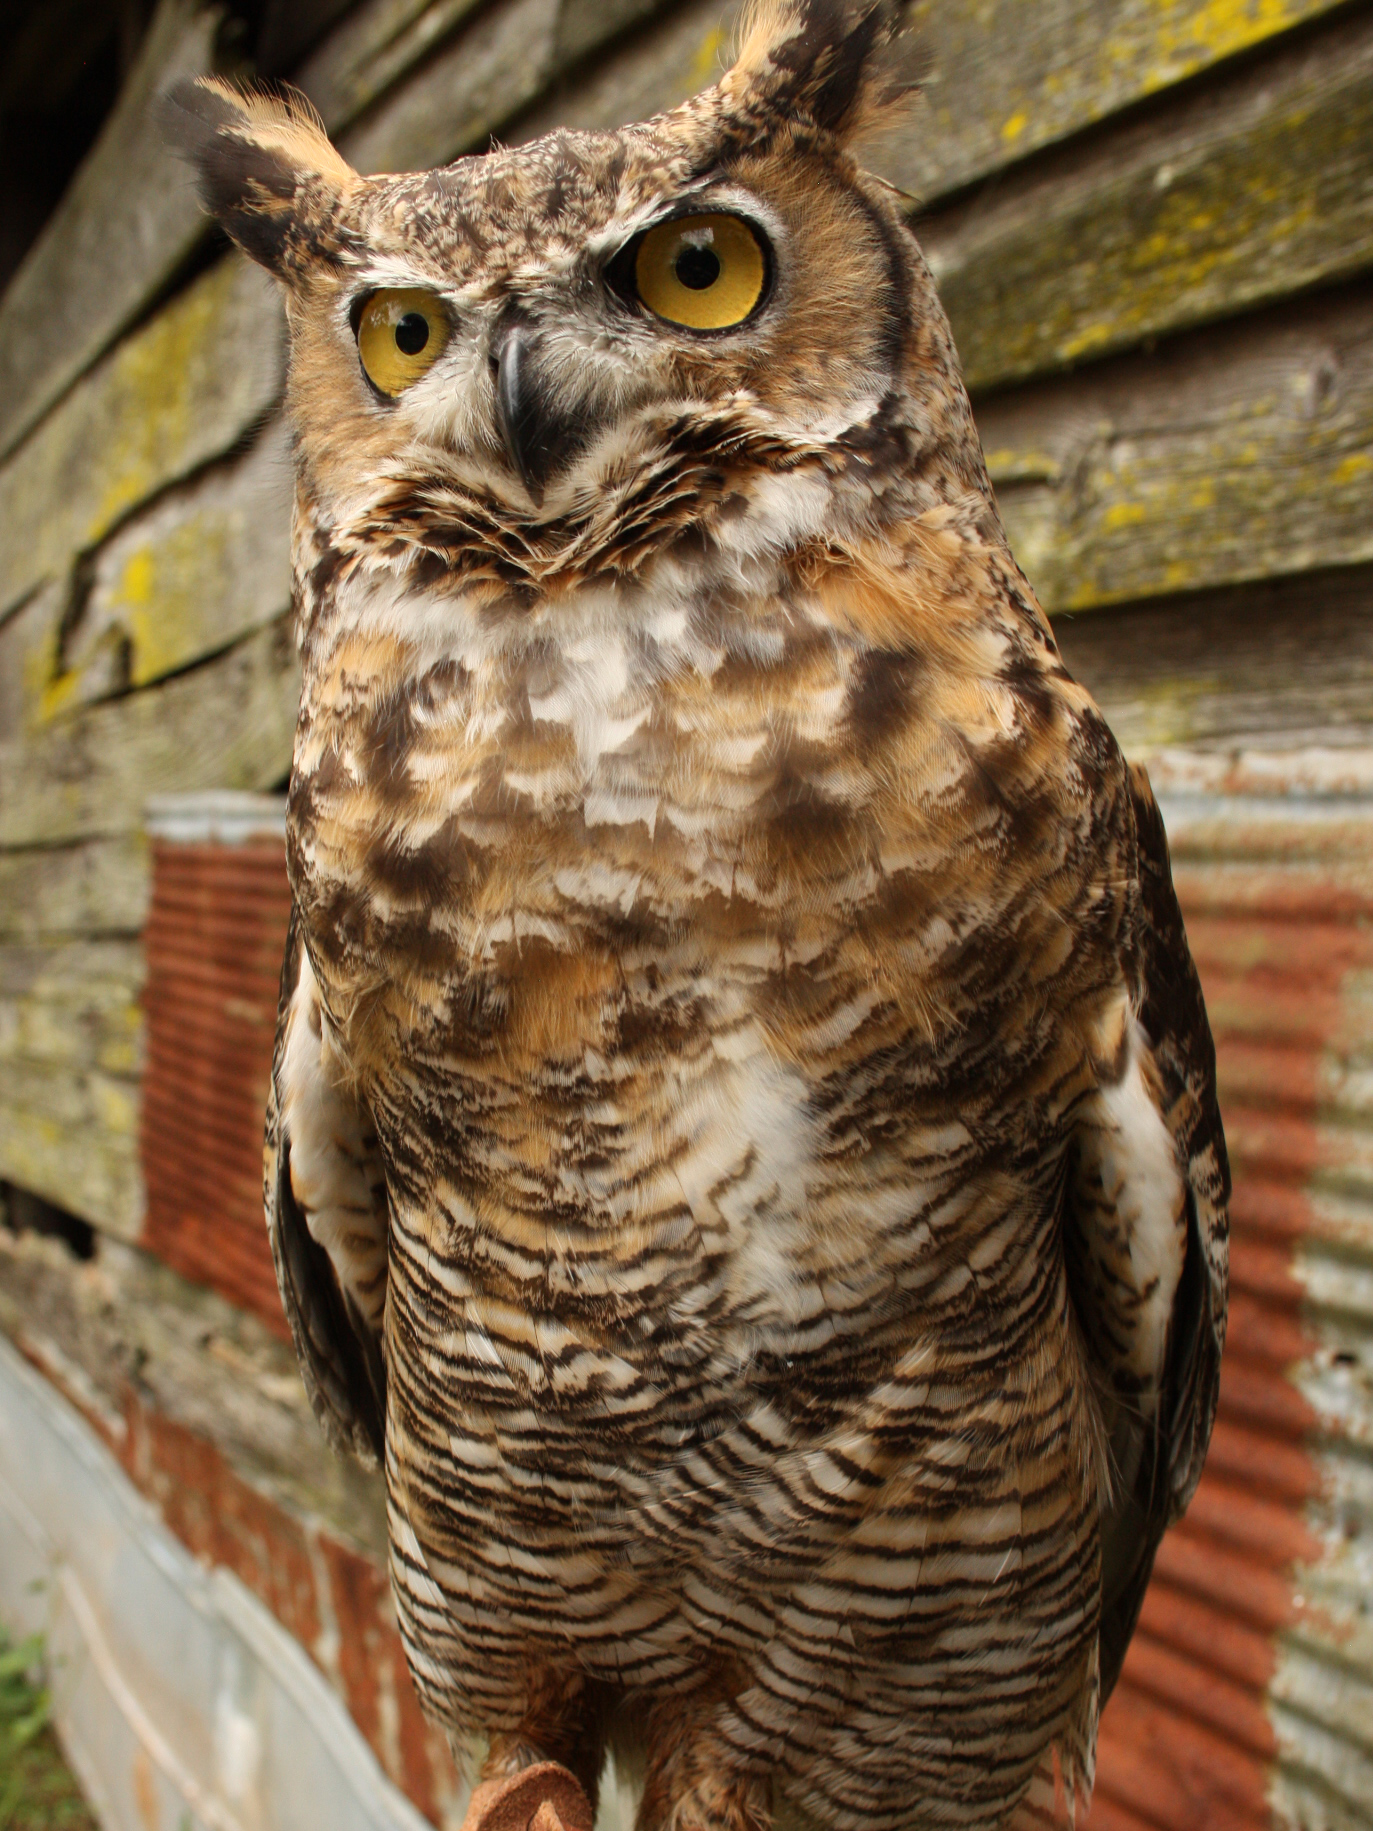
x,y
205,566
179,391
124,224
1233,456
1009,77
93,888
73,1002
74,1140
1267,188
226,724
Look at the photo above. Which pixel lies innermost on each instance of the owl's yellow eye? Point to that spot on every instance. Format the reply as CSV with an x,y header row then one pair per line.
x,y
401,333
704,272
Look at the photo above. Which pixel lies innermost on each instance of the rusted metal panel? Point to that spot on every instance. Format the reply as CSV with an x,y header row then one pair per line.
x,y
215,933
1247,1696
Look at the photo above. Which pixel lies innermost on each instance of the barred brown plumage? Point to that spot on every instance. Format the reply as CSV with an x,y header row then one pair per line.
x,y
743,1144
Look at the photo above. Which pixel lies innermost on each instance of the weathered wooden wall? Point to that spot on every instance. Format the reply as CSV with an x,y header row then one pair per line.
x,y
1152,222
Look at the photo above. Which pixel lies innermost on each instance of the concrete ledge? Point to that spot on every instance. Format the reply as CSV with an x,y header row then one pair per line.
x,y
182,1704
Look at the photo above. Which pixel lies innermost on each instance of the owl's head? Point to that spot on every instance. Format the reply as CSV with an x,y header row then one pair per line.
x,y
596,338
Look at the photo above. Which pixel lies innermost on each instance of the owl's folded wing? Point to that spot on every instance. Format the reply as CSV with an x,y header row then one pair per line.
x,y
1146,1230
326,1218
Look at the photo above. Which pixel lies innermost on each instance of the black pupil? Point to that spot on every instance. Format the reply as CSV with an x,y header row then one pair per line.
x,y
697,268
412,333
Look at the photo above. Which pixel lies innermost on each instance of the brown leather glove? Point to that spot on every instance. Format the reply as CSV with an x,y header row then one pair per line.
x,y
544,1797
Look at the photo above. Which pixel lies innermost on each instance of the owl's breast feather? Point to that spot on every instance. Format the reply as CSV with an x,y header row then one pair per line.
x,y
655,942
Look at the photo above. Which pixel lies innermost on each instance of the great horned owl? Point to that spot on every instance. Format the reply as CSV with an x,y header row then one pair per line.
x,y
744,1148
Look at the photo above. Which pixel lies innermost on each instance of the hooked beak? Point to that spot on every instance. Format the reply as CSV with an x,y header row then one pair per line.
x,y
536,438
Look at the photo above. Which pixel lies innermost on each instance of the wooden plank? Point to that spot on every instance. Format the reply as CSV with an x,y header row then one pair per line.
x,y
376,45
1007,78
177,393
1282,663
227,724
585,25
658,67
94,888
73,1139
73,1004
474,83
1239,452
481,77
125,223
26,650
385,43
1253,188
203,567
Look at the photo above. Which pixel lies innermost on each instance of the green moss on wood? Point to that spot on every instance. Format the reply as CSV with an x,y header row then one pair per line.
x,y
227,724
179,391
1009,77
1239,455
1240,202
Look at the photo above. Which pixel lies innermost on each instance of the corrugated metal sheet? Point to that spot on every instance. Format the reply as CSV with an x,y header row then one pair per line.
x,y
215,934
1247,1696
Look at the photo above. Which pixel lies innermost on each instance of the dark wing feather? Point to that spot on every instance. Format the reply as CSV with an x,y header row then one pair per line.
x,y
326,1219
1174,1015
1160,1367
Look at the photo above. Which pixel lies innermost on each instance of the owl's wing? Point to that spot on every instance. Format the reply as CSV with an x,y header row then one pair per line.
x,y
326,1218
1146,1230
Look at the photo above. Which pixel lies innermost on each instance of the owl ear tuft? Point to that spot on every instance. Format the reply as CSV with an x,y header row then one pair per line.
x,y
840,64
268,172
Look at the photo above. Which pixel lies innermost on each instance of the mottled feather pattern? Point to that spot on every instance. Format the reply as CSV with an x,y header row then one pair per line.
x,y
743,1139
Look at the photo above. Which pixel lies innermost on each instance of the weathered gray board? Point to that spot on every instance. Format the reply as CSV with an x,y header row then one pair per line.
x,y
126,221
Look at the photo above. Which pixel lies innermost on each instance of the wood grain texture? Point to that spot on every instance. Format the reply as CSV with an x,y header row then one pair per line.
x,y
98,887
73,1004
480,78
659,66
1282,663
372,48
70,1054
178,392
1238,452
467,89
123,226
207,564
227,724
584,25
1252,188
1006,78
71,1135
26,651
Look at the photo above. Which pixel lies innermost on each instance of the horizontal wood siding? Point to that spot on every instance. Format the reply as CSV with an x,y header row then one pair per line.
x,y
1244,451
1255,187
1008,78
227,724
127,221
